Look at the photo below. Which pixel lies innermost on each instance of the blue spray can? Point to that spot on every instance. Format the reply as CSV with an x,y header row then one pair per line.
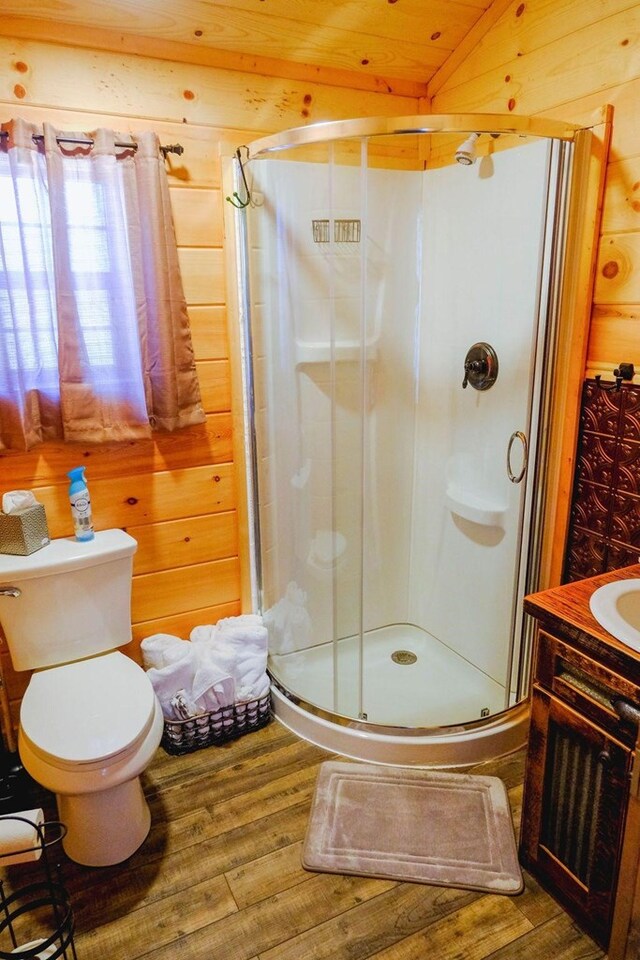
x,y
80,505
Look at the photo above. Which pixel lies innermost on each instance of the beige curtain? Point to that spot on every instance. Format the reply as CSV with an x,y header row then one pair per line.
x,y
96,341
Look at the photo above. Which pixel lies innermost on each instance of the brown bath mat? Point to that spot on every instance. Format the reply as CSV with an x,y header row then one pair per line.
x,y
448,829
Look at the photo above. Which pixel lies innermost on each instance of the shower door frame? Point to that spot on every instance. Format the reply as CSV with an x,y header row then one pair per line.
x,y
567,301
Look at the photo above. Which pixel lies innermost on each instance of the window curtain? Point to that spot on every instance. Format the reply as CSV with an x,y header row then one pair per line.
x,y
95,340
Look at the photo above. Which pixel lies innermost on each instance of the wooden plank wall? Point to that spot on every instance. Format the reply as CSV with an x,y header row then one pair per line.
x,y
564,59
176,494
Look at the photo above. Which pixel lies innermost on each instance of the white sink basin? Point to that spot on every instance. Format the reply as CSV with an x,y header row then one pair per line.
x,y
616,607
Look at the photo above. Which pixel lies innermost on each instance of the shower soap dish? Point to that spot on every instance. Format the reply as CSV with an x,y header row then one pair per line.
x,y
217,727
471,507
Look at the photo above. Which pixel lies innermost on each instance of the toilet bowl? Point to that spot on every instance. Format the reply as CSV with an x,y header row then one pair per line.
x,y
91,750
89,721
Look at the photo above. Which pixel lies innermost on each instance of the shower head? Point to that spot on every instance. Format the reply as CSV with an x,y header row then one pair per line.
x,y
466,152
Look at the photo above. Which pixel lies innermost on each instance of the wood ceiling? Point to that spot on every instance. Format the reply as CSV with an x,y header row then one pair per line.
x,y
396,45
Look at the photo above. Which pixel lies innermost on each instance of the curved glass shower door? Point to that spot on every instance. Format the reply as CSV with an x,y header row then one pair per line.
x,y
393,521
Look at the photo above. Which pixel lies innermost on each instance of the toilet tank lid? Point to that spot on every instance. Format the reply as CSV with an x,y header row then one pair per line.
x,y
68,554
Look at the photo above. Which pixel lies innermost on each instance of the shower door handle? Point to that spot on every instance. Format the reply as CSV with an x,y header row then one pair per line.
x,y
517,435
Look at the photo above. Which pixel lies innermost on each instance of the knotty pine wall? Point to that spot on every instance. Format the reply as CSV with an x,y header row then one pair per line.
x,y
564,59
176,494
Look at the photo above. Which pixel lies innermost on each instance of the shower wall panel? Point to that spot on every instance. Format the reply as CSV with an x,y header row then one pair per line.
x,y
482,262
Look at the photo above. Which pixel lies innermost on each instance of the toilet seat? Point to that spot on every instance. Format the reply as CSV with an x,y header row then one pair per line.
x,y
89,712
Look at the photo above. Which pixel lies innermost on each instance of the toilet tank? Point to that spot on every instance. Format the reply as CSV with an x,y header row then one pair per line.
x,y
74,600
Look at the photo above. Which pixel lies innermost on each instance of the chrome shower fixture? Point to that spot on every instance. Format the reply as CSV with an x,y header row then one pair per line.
x,y
466,152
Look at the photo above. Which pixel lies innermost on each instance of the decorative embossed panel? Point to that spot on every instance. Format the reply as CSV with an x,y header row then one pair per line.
x,y
604,531
600,409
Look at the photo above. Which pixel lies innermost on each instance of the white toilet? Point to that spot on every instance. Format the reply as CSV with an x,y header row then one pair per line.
x,y
89,721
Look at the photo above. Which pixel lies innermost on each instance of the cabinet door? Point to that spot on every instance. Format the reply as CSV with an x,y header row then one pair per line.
x,y
575,799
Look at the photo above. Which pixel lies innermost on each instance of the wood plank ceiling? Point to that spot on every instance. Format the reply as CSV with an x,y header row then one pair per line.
x,y
397,45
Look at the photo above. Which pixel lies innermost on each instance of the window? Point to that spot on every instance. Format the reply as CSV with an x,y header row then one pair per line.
x,y
95,337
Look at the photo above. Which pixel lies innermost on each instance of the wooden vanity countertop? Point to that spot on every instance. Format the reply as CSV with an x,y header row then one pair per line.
x,y
569,604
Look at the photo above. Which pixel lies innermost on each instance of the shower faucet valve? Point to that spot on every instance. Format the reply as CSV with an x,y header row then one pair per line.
x,y
480,367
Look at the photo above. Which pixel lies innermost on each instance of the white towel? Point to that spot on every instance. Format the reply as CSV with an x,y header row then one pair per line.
x,y
185,679
213,687
246,640
243,620
203,634
176,678
248,671
208,631
238,646
243,635
218,695
161,649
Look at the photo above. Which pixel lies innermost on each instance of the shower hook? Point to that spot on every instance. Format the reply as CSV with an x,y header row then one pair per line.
x,y
625,371
235,199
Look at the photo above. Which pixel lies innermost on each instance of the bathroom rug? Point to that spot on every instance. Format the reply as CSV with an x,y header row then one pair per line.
x,y
447,829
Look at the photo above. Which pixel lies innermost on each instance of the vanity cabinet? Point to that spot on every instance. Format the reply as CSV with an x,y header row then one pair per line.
x,y
580,832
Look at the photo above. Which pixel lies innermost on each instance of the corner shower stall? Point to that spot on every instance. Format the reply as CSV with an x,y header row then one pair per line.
x,y
398,315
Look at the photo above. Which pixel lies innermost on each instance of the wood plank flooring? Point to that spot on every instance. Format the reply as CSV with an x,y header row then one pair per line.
x,y
219,878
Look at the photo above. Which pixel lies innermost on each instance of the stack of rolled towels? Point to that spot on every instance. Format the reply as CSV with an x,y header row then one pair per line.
x,y
220,665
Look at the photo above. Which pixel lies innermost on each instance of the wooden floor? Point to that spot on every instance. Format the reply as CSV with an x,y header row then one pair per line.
x,y
219,878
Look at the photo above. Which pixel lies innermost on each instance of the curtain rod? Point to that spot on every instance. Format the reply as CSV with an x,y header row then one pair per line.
x,y
39,138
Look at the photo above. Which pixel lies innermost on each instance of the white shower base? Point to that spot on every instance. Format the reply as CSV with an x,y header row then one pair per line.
x,y
441,690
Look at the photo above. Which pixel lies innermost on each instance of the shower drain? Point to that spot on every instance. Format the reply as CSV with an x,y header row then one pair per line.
x,y
403,656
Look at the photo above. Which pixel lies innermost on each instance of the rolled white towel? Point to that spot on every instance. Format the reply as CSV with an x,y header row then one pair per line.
x,y
220,694
162,649
173,679
243,637
245,662
248,626
243,620
237,646
213,687
252,688
249,675
203,634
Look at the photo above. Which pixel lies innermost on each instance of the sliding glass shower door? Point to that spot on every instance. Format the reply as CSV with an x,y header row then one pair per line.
x,y
394,502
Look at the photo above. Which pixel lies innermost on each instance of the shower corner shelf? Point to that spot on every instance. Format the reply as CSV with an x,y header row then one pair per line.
x,y
340,352
471,507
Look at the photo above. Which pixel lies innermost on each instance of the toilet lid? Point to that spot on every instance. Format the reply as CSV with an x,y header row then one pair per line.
x,y
87,711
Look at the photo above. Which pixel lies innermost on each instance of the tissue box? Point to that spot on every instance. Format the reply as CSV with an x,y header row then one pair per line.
x,y
24,532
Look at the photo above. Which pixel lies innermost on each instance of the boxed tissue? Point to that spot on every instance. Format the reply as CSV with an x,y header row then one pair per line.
x,y
23,524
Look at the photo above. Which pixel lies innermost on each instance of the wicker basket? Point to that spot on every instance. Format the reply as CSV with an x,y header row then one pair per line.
x,y
184,736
